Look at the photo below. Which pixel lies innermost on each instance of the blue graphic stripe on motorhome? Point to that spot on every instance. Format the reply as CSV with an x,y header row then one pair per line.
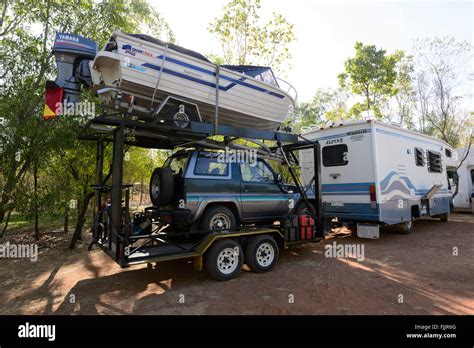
x,y
209,72
353,186
406,137
384,183
363,188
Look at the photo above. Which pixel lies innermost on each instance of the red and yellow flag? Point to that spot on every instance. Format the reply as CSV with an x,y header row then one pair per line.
x,y
53,95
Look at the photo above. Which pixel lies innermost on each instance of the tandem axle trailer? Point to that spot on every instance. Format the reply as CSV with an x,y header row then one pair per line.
x,y
221,252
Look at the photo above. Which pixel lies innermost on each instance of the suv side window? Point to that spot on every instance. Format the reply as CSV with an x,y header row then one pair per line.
x,y
207,164
177,163
256,173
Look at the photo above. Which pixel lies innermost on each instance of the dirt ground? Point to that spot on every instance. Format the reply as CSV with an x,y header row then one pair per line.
x,y
400,274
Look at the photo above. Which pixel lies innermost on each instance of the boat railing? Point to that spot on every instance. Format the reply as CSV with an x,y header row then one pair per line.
x,y
288,87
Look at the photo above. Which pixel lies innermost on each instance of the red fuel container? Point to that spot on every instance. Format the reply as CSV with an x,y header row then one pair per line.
x,y
306,227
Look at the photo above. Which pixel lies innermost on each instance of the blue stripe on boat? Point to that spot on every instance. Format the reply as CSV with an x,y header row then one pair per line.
x,y
209,72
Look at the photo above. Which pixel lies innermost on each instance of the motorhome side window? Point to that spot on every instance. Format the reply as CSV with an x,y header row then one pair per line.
x,y
448,152
434,162
419,157
335,155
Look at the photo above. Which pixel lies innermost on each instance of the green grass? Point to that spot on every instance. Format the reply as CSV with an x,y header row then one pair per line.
x,y
20,222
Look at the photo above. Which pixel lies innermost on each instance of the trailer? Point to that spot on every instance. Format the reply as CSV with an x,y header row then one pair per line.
x,y
464,200
221,252
376,174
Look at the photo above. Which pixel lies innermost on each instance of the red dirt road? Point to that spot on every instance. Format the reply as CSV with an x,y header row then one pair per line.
x,y
400,274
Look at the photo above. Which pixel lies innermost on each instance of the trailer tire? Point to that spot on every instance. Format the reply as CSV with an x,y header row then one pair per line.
x,y
261,253
161,187
224,260
405,227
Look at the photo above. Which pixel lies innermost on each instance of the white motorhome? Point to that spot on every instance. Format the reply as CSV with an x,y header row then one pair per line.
x,y
463,200
373,172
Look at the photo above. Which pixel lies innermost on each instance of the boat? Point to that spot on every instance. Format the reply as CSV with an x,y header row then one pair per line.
x,y
142,74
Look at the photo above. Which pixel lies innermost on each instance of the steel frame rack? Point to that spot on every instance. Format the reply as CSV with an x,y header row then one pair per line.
x,y
123,131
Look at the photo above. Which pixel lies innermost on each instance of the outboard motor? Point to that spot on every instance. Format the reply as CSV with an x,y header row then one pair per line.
x,y
73,54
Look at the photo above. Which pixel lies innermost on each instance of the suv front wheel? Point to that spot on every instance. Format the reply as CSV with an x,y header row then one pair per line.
x,y
218,218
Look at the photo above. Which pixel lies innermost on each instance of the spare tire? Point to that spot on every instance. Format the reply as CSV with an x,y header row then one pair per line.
x,y
181,115
161,187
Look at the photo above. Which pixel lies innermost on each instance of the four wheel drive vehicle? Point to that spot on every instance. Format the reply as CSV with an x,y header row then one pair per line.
x,y
199,187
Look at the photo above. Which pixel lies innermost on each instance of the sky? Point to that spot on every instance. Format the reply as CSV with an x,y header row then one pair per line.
x,y
326,31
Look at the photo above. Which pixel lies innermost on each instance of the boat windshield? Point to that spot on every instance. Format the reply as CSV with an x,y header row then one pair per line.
x,y
261,73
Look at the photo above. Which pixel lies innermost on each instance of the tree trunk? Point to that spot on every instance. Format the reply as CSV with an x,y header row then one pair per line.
x,y
66,221
456,191
6,224
80,215
141,193
35,178
81,219
2,212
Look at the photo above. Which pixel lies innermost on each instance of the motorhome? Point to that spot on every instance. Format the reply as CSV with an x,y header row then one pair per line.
x,y
379,173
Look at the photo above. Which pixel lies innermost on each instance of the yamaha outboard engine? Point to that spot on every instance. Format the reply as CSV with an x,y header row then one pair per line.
x,y
73,54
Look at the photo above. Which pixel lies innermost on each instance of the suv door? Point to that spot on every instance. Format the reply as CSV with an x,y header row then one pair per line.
x,y
261,197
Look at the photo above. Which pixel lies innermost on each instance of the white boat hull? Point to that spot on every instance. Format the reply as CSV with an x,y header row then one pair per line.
x,y
135,69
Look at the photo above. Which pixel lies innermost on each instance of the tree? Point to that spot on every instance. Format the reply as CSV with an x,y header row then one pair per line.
x,y
405,96
326,105
245,41
25,65
371,74
443,79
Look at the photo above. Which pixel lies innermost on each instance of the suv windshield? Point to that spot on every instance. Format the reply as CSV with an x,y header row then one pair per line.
x,y
177,163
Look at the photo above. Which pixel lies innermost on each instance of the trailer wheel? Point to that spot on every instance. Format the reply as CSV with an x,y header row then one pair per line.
x,y
405,227
261,253
224,260
161,187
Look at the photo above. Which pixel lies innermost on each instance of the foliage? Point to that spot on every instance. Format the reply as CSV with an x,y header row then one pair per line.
x,y
245,41
327,105
371,73
27,30
443,80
